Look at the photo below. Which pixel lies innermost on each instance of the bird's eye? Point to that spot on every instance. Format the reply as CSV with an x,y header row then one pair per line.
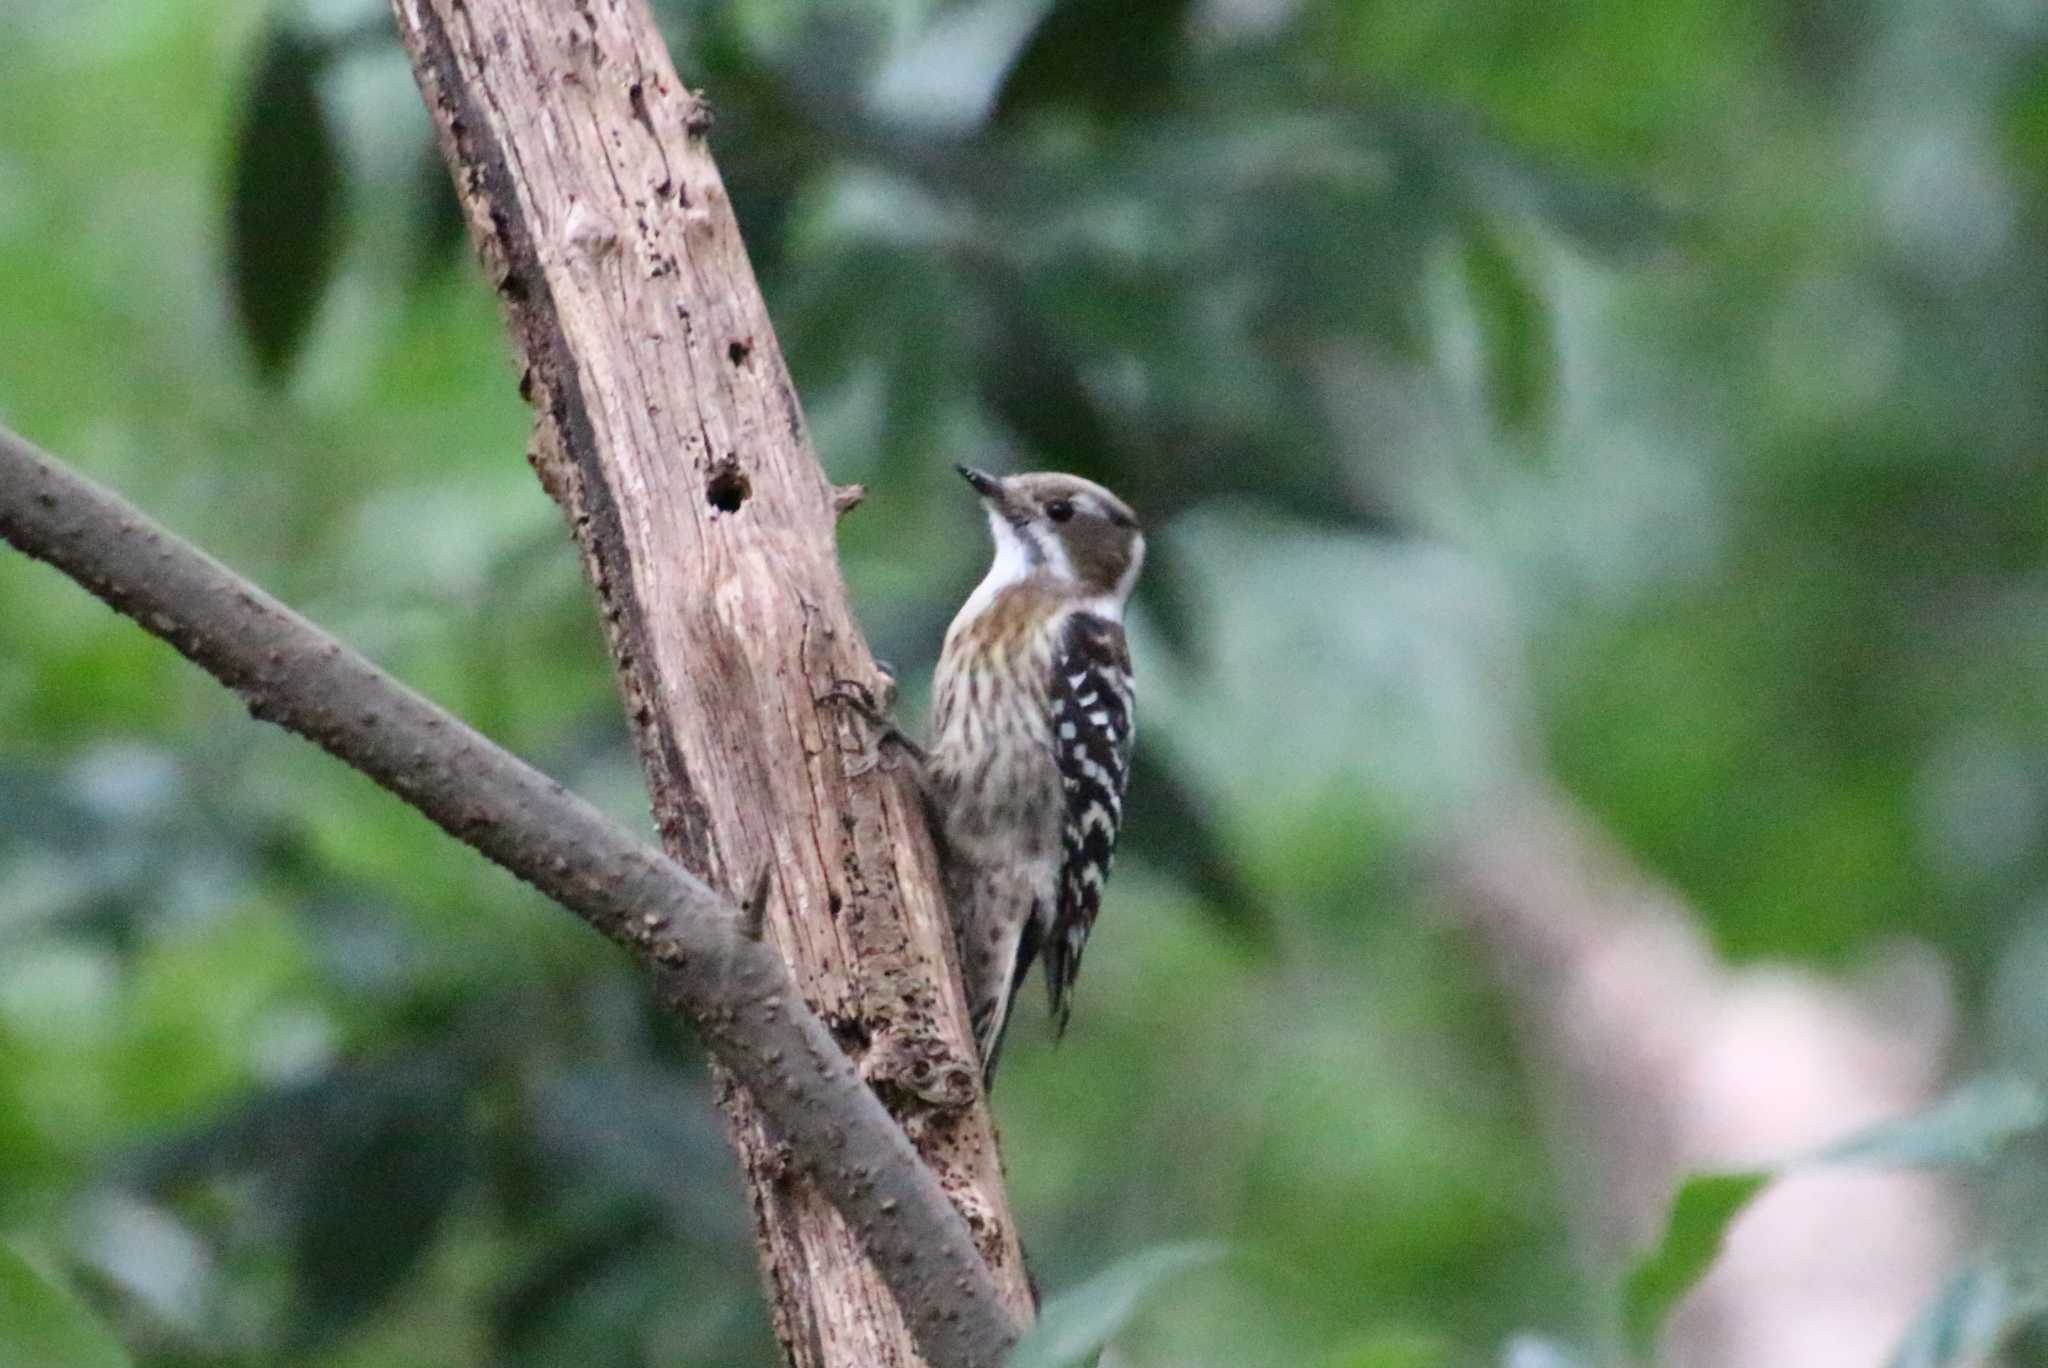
x,y
1059,510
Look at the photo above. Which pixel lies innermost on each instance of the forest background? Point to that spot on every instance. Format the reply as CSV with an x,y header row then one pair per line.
x,y
1606,436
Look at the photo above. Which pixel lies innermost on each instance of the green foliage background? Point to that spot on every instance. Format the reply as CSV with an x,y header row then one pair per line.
x,y
1649,395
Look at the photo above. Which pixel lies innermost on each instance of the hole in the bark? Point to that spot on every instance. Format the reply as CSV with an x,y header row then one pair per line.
x,y
852,1035
727,488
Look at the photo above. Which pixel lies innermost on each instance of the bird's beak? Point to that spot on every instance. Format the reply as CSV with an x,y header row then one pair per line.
x,y
995,495
985,484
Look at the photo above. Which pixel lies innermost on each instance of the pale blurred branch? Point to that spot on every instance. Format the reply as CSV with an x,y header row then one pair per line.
x,y
1663,1060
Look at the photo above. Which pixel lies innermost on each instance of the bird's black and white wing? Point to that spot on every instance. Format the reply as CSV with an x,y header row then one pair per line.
x,y
1092,720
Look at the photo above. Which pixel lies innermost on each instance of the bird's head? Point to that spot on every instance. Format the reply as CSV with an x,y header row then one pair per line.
x,y
1062,530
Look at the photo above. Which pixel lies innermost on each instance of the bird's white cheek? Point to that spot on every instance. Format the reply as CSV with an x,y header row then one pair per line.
x,y
1054,552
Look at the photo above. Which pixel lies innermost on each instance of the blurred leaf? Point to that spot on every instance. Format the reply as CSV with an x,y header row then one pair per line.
x,y
438,222
1619,222
1172,823
1534,1351
375,1198
1397,1348
1518,352
1970,1126
1700,1214
1963,1324
1166,593
2025,124
651,1131
278,1130
1107,55
43,1324
1825,39
1031,381
950,76
1074,1325
284,201
528,1307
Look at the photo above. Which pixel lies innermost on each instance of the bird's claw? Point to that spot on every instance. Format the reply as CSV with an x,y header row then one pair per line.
x,y
859,699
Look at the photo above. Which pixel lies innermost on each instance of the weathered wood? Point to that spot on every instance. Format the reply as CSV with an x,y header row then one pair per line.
x,y
667,427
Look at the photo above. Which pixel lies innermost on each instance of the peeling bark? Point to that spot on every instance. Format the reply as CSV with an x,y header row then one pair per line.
x,y
667,428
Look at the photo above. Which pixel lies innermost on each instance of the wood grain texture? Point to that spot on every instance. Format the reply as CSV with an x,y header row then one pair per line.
x,y
667,428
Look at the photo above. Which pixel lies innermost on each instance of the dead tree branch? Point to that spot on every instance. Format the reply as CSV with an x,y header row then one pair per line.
x,y
667,428
691,940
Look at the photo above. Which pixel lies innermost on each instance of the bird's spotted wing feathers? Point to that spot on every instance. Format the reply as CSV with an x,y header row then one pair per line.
x,y
1092,719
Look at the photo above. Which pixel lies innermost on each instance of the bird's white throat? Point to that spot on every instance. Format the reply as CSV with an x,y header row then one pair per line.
x,y
1022,552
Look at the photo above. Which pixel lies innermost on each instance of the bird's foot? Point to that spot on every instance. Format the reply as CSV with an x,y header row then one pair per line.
x,y
860,700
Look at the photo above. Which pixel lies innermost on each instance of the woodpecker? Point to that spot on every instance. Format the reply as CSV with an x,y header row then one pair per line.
x,y
1031,739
